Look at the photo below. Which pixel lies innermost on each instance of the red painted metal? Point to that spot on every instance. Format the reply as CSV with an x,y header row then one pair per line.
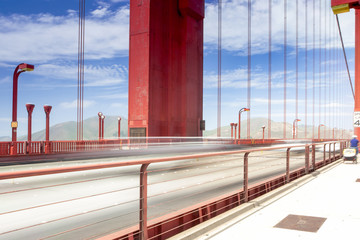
x,y
357,66
296,68
100,134
285,64
246,177
182,219
47,110
235,125
320,73
143,203
288,165
313,156
22,67
269,74
249,71
240,111
166,101
29,108
232,126
307,159
219,69
119,126
102,126
352,3
306,66
313,75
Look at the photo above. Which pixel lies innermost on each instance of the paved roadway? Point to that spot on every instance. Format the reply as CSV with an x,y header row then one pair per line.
x,y
88,204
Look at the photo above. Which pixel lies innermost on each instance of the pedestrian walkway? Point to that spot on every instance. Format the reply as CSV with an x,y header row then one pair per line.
x,y
320,206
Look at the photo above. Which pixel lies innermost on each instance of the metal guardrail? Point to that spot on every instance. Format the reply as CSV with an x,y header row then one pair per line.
x,y
248,173
53,147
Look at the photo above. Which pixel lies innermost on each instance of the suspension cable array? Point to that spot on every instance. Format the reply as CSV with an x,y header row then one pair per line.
x,y
80,90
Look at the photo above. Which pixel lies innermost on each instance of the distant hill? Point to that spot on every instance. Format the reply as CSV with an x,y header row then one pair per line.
x,y
277,129
67,130
5,139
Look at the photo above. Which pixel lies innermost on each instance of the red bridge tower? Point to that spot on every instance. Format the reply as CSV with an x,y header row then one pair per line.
x,y
166,68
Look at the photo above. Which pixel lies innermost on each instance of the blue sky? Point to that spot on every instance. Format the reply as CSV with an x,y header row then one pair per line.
x,y
44,33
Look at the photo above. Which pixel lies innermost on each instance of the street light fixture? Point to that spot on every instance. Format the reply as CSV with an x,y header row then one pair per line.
x,y
320,125
294,129
100,114
23,67
240,111
263,132
102,126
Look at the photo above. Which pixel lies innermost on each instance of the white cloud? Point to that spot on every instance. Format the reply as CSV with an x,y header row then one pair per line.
x,y
45,37
5,80
235,20
73,104
95,75
115,96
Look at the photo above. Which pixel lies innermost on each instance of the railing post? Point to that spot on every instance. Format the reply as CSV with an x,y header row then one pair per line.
x,y
313,157
246,176
324,160
307,157
334,153
330,153
288,165
143,202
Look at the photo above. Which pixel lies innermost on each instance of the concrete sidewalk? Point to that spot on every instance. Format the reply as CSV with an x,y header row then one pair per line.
x,y
323,205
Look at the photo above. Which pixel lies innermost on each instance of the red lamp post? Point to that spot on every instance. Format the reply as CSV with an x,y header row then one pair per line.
x,y
240,111
119,121
295,128
29,108
232,126
102,126
100,114
235,125
47,110
320,125
23,67
263,132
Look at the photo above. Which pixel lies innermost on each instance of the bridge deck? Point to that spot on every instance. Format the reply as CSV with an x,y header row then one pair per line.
x,y
323,205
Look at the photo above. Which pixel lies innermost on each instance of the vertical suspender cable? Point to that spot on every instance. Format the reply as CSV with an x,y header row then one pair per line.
x,y
83,75
313,68
219,71
80,92
320,65
332,74
297,65
306,64
249,69
325,72
285,59
78,76
269,76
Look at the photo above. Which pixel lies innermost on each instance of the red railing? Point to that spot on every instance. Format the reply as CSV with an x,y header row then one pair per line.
x,y
38,147
253,178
